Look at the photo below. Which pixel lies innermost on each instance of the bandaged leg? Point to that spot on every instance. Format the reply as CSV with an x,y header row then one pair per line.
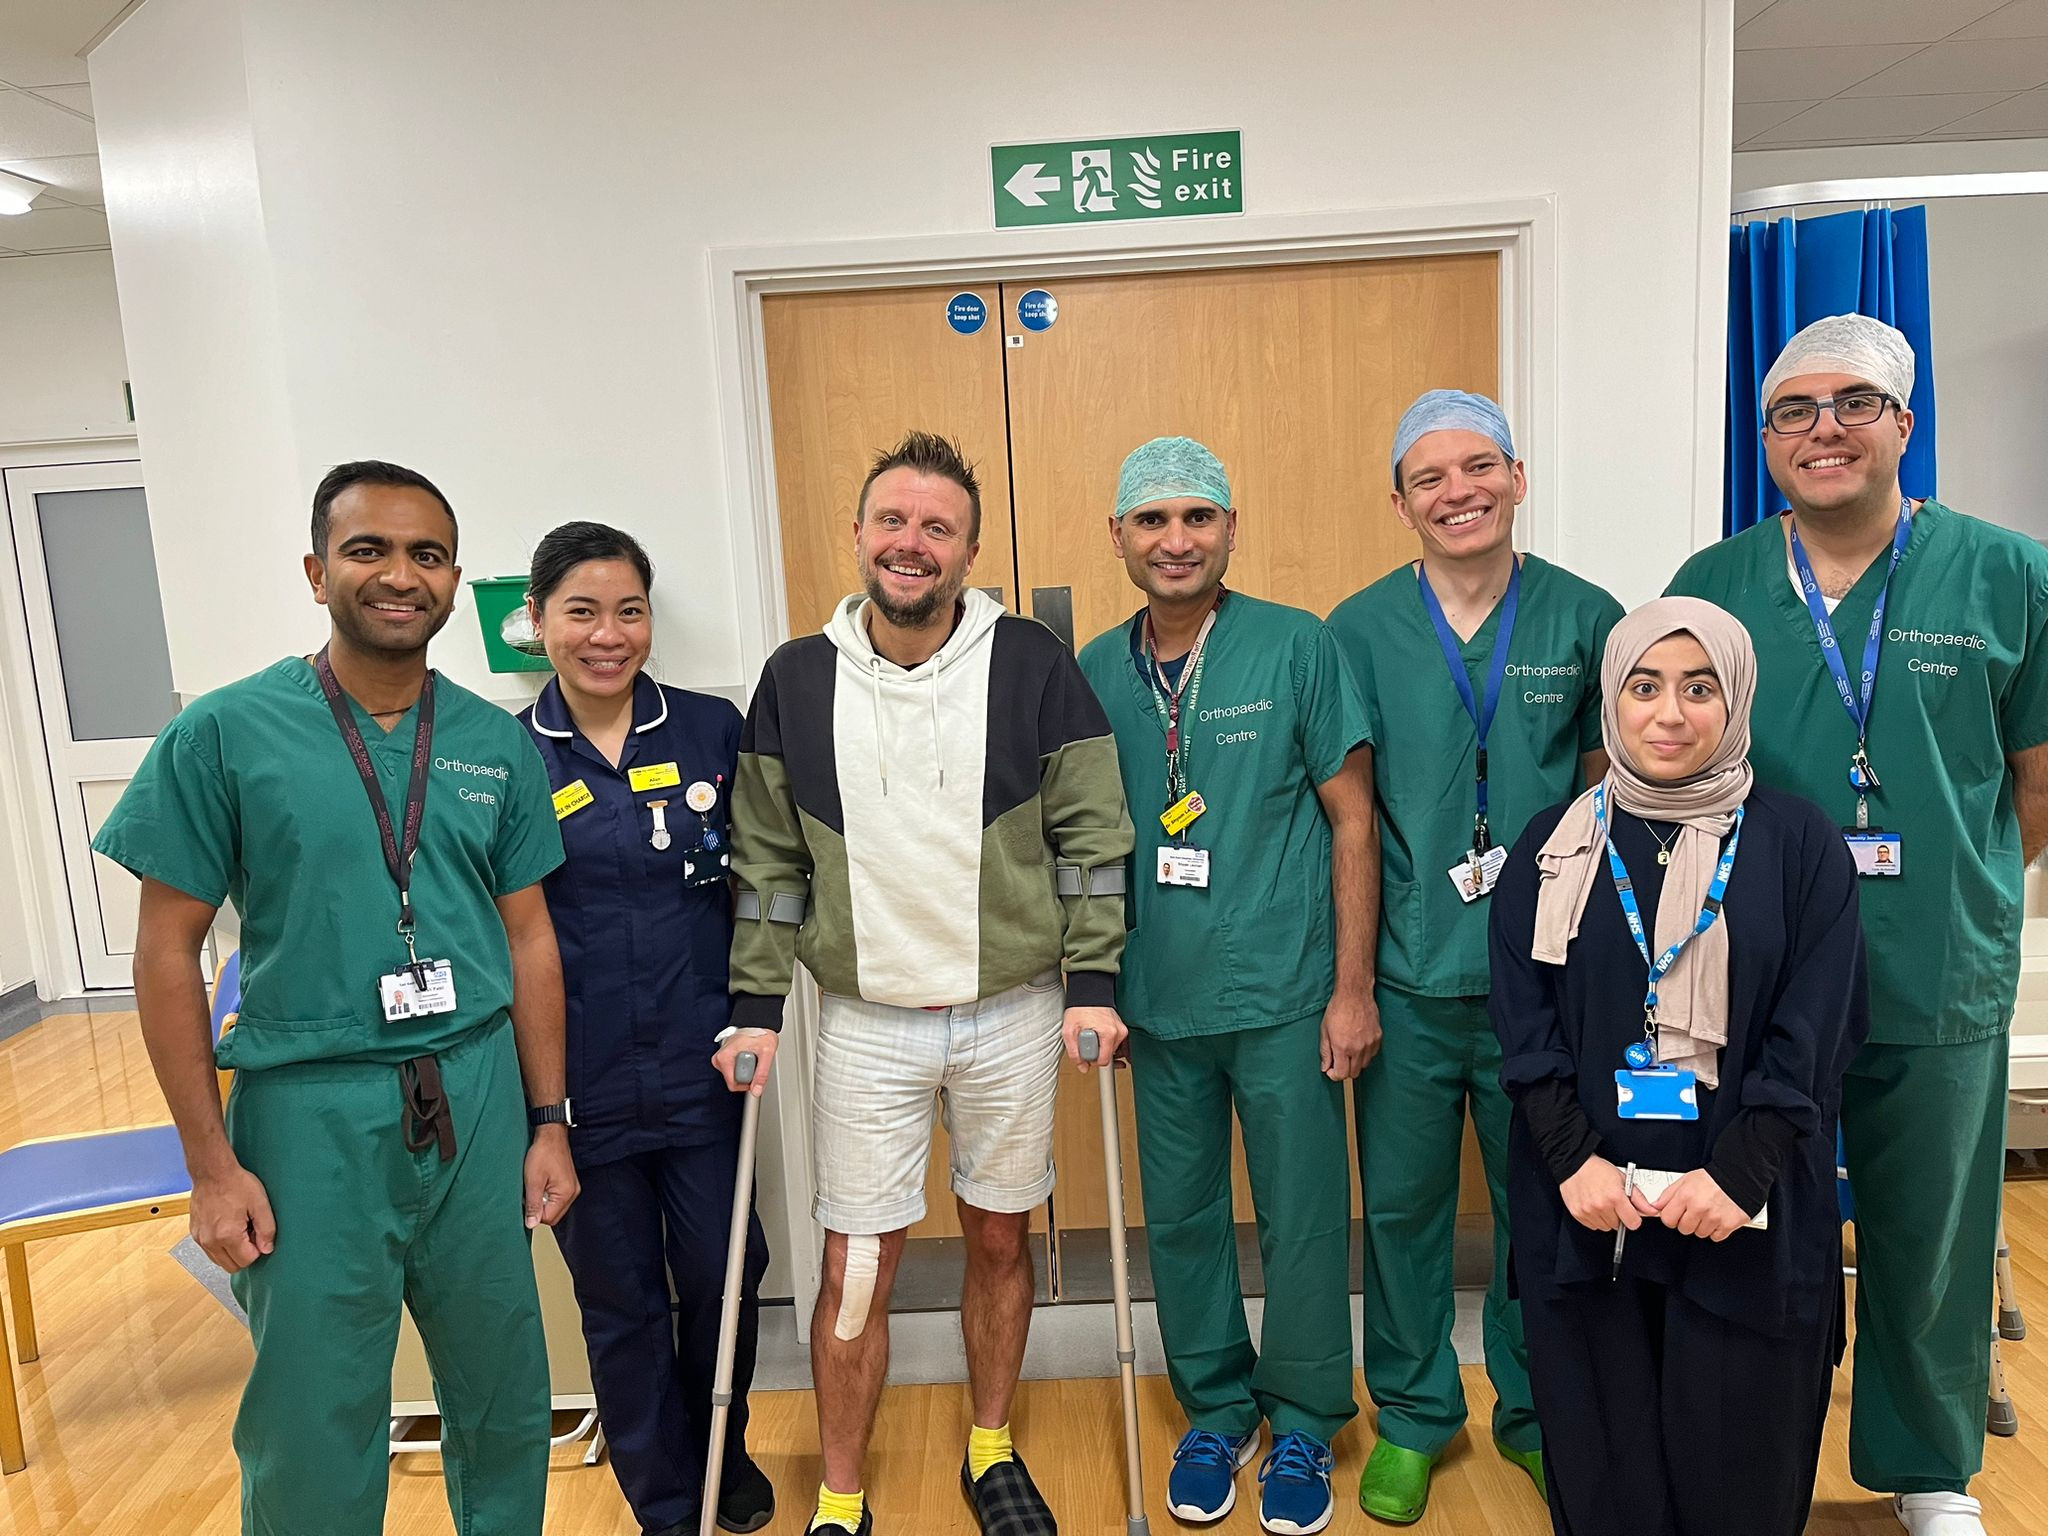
x,y
857,1285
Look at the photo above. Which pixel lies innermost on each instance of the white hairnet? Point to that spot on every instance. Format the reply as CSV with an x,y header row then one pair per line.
x,y
1852,344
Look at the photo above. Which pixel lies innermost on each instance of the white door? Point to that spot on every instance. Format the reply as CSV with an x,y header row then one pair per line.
x,y
102,674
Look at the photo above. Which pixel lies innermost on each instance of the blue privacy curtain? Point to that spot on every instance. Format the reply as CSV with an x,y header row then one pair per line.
x,y
1787,274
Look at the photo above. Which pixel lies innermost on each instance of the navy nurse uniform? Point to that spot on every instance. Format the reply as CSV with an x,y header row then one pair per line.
x,y
656,1140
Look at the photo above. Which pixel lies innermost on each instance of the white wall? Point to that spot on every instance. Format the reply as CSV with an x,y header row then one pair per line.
x,y
474,237
1989,313
17,958
61,361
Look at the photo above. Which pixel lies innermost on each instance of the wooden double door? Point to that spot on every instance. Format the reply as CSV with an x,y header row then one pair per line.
x,y
1296,376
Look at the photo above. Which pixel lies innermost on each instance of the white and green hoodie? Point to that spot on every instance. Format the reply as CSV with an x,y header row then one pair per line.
x,y
931,835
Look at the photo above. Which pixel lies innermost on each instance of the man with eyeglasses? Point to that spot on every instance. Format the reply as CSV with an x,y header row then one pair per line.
x,y
1902,682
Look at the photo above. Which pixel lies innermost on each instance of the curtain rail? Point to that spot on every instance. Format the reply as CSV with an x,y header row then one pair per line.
x,y
1882,189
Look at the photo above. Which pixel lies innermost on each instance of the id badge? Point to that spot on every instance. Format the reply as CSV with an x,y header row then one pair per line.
x,y
1657,1093
1184,866
1474,875
403,999
1875,851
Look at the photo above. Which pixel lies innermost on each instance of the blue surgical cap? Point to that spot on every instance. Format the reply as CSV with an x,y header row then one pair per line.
x,y
1170,467
1451,410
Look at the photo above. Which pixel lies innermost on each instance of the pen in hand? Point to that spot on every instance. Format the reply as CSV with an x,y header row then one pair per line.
x,y
1628,1190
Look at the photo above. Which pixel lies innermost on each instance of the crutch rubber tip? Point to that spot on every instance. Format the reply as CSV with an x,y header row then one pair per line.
x,y
2011,1325
1137,1525
1091,1045
743,1069
2003,1420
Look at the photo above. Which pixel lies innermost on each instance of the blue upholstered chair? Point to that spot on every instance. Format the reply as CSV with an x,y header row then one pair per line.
x,y
63,1184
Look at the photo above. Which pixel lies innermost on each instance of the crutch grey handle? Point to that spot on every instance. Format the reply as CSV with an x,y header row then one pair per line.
x,y
1091,1045
743,1069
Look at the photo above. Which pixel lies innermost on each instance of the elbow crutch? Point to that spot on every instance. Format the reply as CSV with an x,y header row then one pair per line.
x,y
729,1313
1135,1523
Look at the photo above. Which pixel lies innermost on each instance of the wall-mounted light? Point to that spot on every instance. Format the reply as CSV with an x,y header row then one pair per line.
x,y
17,192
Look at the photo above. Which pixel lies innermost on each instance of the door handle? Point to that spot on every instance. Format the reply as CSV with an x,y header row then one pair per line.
x,y
1054,608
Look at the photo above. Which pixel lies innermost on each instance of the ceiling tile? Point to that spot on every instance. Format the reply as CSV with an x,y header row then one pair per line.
x,y
1988,64
31,128
1751,118
1811,74
1749,10
2022,18
1872,119
40,42
74,98
2017,117
55,229
1797,23
70,178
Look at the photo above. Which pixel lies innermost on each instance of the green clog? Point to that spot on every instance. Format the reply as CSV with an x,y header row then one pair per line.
x,y
1530,1462
1395,1484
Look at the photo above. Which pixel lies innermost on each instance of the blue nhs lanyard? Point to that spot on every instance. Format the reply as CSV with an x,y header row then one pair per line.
x,y
1861,779
1710,910
1454,656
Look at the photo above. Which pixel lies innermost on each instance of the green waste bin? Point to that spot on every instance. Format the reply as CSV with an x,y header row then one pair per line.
x,y
500,599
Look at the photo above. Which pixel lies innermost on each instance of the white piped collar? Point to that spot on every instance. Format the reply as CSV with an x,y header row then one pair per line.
x,y
553,706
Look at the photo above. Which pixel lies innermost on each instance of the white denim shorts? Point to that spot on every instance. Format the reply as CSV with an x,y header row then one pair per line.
x,y
991,1067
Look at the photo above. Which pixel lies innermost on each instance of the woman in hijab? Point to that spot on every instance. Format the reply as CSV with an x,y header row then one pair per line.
x,y
1678,986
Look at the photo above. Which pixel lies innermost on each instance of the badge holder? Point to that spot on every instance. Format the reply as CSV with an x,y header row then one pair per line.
x,y
1178,863
1475,875
1877,853
419,988
708,860
1645,1091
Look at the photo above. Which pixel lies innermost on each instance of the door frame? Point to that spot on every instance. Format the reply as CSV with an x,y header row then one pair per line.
x,y
1521,231
28,794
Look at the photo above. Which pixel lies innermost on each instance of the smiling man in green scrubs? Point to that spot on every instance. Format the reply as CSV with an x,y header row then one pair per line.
x,y
1480,674
1246,980
376,1146
1902,682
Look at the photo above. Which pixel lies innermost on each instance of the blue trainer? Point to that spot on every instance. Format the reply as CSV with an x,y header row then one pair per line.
x,y
1295,1483
1202,1486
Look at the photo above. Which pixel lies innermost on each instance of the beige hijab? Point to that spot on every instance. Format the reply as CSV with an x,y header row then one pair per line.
x,y
1692,1008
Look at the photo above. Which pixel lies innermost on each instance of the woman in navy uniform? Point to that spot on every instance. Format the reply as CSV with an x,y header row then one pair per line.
x,y
643,777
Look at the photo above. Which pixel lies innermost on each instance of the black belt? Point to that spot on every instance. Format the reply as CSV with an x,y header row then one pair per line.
x,y
427,1121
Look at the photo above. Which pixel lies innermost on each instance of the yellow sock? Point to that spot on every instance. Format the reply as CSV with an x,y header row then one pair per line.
x,y
841,1509
986,1447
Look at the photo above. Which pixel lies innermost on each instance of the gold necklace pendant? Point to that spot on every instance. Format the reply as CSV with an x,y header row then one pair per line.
x,y
1663,855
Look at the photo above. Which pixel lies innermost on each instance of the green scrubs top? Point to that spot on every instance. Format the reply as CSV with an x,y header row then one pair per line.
x,y
1425,750
1276,715
250,795
1962,681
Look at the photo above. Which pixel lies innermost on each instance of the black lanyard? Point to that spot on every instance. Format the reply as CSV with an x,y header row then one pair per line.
x,y
398,855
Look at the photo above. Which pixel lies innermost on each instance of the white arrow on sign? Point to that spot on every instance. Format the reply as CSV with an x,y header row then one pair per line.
x,y
1026,184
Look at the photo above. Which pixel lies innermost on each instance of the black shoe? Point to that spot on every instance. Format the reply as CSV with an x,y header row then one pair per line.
x,y
746,1499
834,1528
1006,1502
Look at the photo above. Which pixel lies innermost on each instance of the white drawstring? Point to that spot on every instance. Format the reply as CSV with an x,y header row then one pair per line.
x,y
938,734
875,699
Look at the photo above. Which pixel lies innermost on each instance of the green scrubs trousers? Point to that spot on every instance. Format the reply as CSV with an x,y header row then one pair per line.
x,y
1299,1378
363,1224
1437,1054
1924,1130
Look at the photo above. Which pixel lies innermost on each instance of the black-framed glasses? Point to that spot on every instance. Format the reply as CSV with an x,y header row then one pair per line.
x,y
1858,408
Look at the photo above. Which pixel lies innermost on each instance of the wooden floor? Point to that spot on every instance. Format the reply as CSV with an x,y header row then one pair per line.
x,y
128,1411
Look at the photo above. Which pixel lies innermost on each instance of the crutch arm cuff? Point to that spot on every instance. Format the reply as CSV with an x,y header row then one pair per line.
x,y
1091,989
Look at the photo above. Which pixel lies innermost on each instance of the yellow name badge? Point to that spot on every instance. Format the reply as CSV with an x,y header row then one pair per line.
x,y
654,776
1179,816
571,798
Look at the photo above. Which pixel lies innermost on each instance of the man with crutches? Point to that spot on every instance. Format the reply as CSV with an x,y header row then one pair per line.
x,y
928,814
1247,980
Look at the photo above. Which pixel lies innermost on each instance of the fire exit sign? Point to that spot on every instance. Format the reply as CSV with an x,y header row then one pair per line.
x,y
1105,181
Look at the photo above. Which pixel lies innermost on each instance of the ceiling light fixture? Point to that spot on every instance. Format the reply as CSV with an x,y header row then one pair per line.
x,y
17,192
